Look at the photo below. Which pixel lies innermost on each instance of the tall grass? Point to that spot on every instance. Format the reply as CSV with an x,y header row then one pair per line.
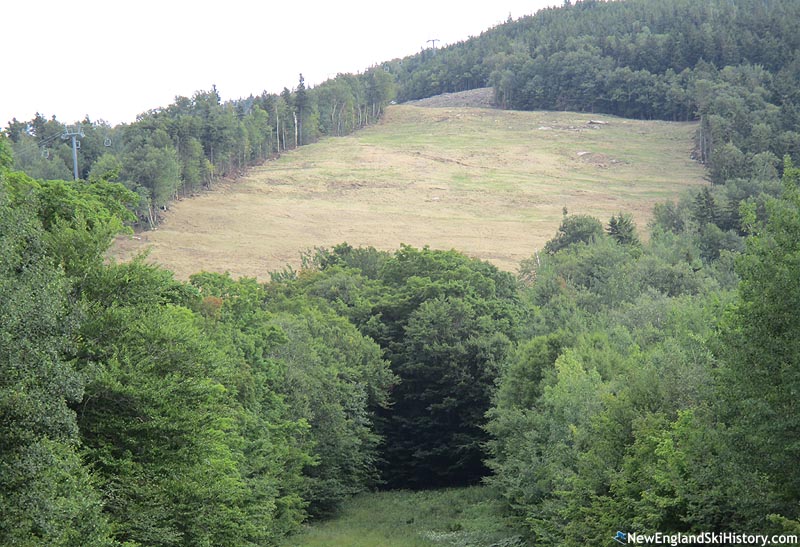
x,y
458,517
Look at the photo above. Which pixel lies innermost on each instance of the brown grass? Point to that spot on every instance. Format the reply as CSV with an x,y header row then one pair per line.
x,y
489,183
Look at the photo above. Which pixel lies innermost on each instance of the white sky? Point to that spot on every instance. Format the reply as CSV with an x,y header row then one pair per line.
x,y
115,59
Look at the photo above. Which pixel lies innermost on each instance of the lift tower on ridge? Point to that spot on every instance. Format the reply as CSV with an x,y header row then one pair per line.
x,y
73,132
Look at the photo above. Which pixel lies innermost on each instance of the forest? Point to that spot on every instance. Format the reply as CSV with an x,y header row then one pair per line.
x,y
623,380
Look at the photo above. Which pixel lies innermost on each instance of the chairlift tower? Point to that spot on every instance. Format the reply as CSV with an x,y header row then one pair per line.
x,y
73,132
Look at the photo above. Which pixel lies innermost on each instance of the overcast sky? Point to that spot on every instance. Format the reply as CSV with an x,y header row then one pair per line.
x,y
115,59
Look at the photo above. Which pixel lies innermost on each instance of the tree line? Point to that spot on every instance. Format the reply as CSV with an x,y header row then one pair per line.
x,y
178,150
732,65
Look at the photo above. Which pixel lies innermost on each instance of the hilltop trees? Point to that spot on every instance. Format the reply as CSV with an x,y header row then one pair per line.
x,y
649,59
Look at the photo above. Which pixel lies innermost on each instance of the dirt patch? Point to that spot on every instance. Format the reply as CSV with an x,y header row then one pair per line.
x,y
473,98
602,161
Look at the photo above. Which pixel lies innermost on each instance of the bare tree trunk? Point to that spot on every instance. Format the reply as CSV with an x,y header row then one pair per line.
x,y
277,127
150,217
213,165
295,128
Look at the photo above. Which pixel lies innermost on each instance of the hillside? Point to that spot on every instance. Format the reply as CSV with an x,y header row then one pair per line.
x,y
490,183
641,381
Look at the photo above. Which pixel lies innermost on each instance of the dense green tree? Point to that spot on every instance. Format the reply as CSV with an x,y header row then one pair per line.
x,y
622,229
326,373
575,229
106,168
48,495
182,418
705,209
154,167
6,155
760,379
335,379
445,323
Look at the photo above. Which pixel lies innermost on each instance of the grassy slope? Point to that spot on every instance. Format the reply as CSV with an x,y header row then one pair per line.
x,y
487,182
434,518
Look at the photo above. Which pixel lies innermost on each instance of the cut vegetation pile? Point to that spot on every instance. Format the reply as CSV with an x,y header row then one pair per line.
x,y
474,98
490,183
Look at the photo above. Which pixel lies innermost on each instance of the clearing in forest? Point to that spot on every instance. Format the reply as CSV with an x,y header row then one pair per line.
x,y
400,518
489,183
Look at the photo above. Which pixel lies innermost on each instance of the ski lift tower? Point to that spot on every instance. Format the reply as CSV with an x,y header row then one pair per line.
x,y
73,132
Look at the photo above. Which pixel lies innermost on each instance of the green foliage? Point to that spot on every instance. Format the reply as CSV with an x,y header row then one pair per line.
x,y
562,448
326,373
575,229
604,419
107,168
197,412
155,426
527,368
6,154
80,219
445,323
367,260
622,229
728,162
760,348
334,378
48,496
181,417
668,217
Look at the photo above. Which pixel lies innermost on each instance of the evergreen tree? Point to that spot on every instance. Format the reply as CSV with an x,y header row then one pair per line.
x,y
301,104
575,229
622,229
